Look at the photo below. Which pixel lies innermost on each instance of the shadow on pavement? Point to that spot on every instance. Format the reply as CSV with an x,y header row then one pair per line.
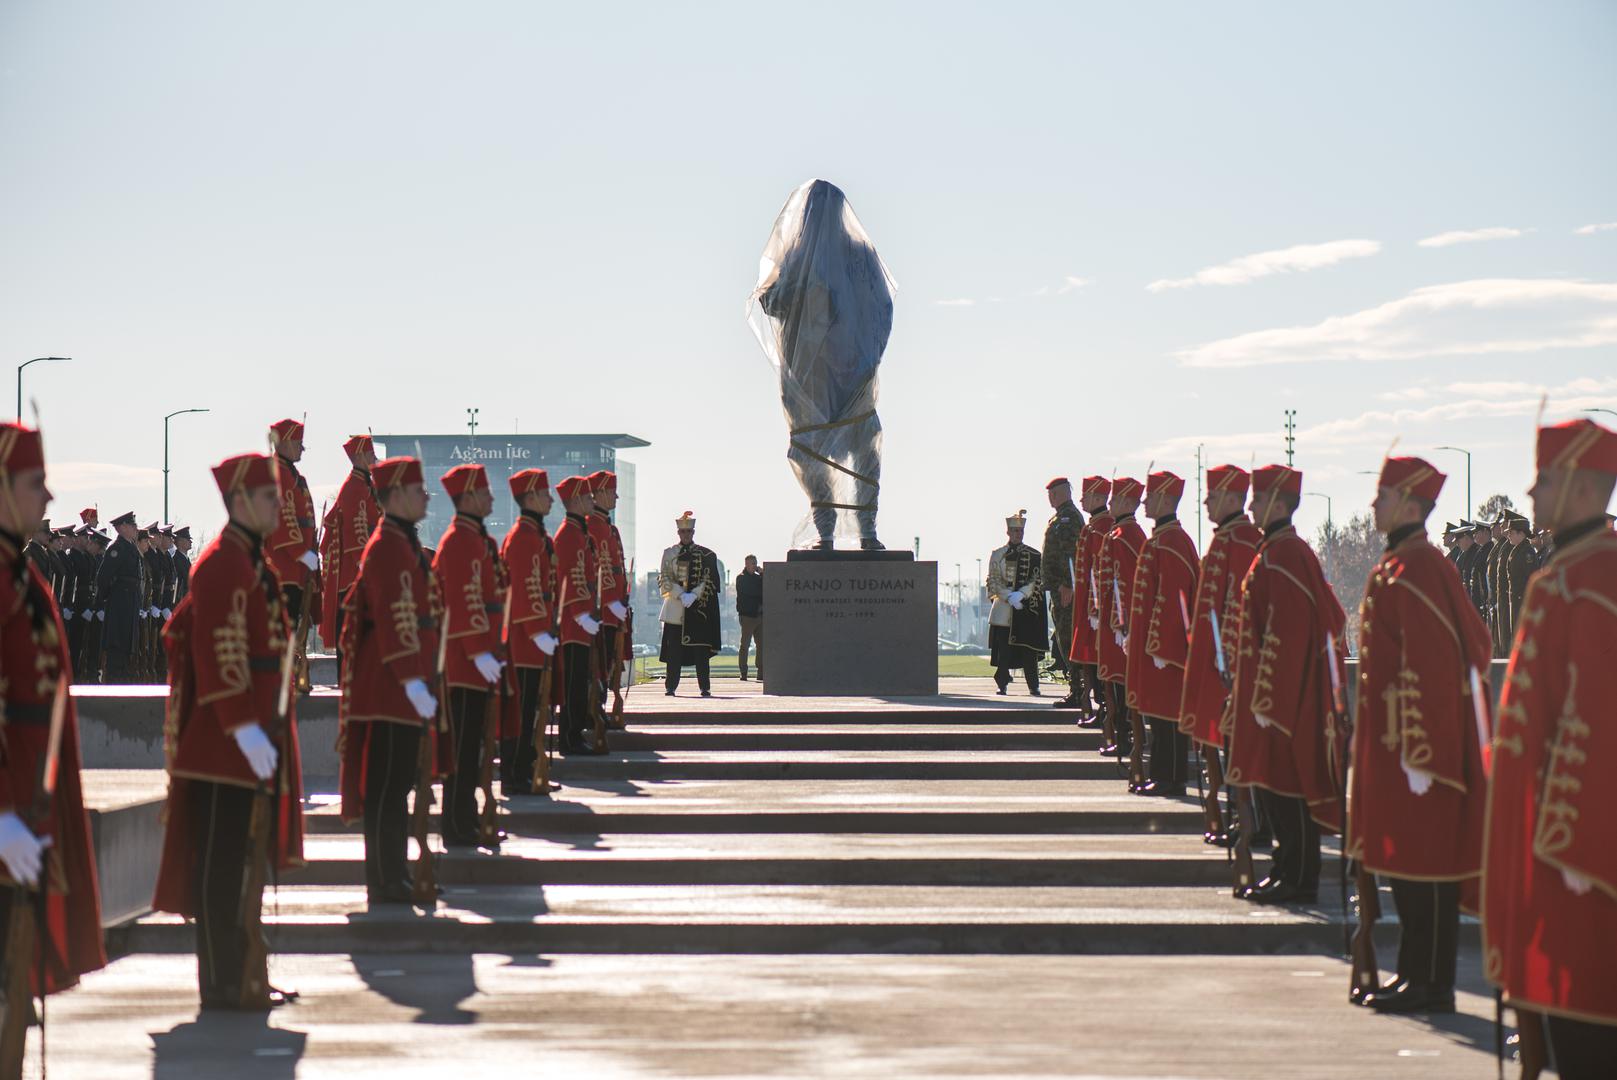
x,y
433,986
233,1044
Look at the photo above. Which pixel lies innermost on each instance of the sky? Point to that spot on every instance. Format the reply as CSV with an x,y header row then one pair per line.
x,y
1120,232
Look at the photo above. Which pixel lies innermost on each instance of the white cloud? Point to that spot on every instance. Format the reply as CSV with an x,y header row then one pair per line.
x,y
1590,230
1477,317
961,302
1470,236
96,476
1301,258
1069,283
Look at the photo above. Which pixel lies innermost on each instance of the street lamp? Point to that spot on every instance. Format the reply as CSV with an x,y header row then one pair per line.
x,y
1612,412
166,419
1467,454
24,364
1327,499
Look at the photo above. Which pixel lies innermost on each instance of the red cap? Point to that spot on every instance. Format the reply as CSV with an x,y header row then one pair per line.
x,y
1412,476
1097,485
396,472
1282,478
603,481
529,481
90,516
357,444
287,430
1125,486
1227,478
20,448
570,488
1577,444
245,471
465,478
1166,482
1057,482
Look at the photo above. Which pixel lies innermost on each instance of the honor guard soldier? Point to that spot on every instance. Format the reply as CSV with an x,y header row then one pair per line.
x,y
1060,544
1419,789
1114,579
1519,565
1215,622
391,671
1287,675
88,659
472,579
160,572
1498,602
1017,629
45,844
1549,909
530,605
182,563
1164,582
613,643
1086,687
80,612
234,797
576,616
292,546
1482,547
345,531
119,588
688,578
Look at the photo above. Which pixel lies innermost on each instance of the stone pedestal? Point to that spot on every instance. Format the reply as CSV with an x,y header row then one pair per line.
x,y
851,623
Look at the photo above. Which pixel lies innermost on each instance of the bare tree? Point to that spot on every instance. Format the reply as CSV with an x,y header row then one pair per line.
x,y
1348,553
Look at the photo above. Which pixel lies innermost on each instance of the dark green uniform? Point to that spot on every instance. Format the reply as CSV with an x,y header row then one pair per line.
x,y
1059,550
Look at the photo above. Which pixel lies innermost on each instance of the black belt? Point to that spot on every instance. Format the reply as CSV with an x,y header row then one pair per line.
x,y
305,523
425,622
264,663
28,715
494,609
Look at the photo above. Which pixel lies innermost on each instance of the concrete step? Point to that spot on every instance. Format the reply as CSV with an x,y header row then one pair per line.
x,y
663,765
752,859
782,919
901,737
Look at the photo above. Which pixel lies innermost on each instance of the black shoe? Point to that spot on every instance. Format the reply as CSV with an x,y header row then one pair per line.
x,y
572,747
1362,996
707,693
668,693
1282,893
1033,691
825,543
1064,703
1412,998
1168,791
458,843
870,543
392,894
743,676
279,997
1000,691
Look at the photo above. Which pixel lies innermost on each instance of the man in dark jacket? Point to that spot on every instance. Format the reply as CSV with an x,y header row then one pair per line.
x,y
750,610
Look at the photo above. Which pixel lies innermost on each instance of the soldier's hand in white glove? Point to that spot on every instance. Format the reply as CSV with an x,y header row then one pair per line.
x,y
421,698
1094,622
587,621
1420,781
1015,599
168,613
311,560
547,643
257,749
1575,881
20,849
101,615
1263,721
1159,663
616,608
687,598
67,614
487,666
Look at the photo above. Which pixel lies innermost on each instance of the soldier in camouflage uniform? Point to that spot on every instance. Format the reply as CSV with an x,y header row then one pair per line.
x,y
1060,542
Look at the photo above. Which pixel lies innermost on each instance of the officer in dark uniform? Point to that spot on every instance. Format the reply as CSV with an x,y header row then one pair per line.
x,y
1481,555
1519,565
182,563
120,586
1056,570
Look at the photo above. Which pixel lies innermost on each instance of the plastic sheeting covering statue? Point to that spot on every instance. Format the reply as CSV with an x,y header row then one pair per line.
x,y
823,310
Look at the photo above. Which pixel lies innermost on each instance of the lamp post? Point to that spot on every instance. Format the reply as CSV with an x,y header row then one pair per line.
x,y
1611,412
166,419
1327,498
1467,454
24,364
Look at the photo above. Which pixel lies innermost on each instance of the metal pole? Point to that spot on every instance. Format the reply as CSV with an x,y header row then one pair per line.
x,y
24,364
1467,454
177,412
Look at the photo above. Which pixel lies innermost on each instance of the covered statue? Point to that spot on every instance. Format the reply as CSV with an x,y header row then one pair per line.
x,y
823,310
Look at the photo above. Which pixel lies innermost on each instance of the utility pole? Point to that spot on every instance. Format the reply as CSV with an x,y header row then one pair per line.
x,y
471,422
1467,453
24,364
166,419
1201,511
1291,434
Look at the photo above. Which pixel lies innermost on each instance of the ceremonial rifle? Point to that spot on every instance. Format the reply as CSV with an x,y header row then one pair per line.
x,y
1136,721
619,690
1241,850
597,701
1341,731
26,920
488,833
254,991
541,722
424,884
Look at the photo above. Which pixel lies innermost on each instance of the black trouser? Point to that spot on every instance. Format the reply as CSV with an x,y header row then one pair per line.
x,y
221,826
390,775
1429,938
1061,636
1582,1050
704,678
575,674
1030,675
292,597
1117,707
608,639
468,713
118,667
1296,857
1170,753
528,741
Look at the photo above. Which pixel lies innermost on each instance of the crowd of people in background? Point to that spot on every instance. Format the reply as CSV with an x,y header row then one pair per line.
x,y
1495,560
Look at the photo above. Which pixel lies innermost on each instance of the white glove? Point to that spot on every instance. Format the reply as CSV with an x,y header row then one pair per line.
x,y
616,608
587,621
168,613
1420,781
687,598
425,705
67,614
19,849
487,666
1575,881
101,615
1094,622
546,642
1263,721
157,612
1160,663
257,749
311,560
1015,599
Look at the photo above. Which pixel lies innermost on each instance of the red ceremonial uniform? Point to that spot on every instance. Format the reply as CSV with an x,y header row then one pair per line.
x,y
1114,578
1553,801
1218,590
1085,591
1287,608
1164,582
226,645
472,578
344,534
575,579
609,546
530,598
294,532
390,636
33,660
